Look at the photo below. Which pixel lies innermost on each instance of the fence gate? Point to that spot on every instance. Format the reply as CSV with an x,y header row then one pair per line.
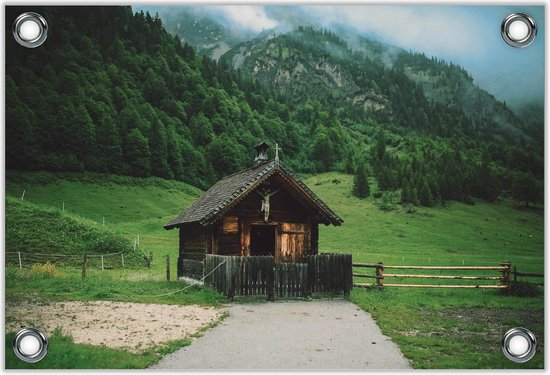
x,y
260,275
291,280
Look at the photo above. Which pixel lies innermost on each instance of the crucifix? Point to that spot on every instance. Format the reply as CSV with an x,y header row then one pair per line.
x,y
266,194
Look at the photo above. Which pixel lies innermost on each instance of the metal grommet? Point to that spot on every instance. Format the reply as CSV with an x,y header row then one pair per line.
x,y
30,345
30,29
518,30
519,345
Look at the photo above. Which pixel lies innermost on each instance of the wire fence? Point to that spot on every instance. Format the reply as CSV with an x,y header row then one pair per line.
x,y
99,261
78,210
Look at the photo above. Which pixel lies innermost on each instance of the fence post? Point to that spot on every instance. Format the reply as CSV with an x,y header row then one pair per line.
x,y
122,257
84,265
270,276
168,268
380,274
345,264
102,268
19,255
228,277
506,279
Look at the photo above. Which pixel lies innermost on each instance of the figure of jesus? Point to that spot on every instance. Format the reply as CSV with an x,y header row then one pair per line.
x,y
266,194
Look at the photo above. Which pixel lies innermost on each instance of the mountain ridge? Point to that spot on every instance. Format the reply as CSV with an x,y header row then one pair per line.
x,y
313,58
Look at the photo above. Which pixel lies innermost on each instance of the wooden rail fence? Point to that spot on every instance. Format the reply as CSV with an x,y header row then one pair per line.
x,y
260,275
379,275
516,273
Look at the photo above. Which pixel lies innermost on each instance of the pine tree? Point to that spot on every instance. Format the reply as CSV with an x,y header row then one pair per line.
x,y
350,163
175,159
380,150
138,155
405,193
425,195
159,151
361,186
323,151
413,194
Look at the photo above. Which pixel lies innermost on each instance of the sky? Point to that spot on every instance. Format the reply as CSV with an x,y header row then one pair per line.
x,y
466,35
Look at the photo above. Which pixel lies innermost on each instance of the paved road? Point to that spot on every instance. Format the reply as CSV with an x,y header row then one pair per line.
x,y
322,334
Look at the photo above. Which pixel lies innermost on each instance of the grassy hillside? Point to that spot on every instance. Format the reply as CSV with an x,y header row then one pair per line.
x,y
476,234
36,229
480,234
130,206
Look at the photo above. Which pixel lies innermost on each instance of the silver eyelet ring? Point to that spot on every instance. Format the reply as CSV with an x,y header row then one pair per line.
x,y
522,337
30,345
34,41
519,42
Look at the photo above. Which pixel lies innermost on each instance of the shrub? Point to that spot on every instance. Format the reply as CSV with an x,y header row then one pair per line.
x,y
387,201
45,270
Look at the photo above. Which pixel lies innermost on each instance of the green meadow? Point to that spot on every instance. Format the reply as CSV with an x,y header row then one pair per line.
x,y
434,328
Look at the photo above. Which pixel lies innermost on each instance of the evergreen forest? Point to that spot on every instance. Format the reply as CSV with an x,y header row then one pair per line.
x,y
112,91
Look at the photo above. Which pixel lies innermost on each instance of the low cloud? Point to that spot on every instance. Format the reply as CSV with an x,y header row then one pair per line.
x,y
435,31
249,17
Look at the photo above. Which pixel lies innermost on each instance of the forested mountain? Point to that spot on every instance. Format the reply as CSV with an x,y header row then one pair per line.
x,y
204,33
388,83
112,91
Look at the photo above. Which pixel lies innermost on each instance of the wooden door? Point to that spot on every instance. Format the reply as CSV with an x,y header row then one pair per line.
x,y
294,242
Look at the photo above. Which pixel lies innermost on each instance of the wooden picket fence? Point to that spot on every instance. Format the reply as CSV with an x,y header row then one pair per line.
x,y
379,275
260,275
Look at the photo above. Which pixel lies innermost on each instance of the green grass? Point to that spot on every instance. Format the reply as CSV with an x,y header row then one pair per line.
x,y
131,206
440,328
453,329
63,353
430,325
37,229
119,285
480,234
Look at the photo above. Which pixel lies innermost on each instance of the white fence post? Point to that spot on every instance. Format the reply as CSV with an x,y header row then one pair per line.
x,y
122,256
102,268
23,196
19,255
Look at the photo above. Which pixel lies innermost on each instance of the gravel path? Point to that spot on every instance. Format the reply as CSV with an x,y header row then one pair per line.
x,y
327,334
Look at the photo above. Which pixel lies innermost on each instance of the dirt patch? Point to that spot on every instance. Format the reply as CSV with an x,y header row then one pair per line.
x,y
494,318
118,325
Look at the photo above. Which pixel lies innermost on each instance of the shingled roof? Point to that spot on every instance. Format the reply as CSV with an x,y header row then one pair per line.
x,y
231,189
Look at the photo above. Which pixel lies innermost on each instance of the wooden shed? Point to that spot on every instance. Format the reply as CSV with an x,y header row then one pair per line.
x,y
262,210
